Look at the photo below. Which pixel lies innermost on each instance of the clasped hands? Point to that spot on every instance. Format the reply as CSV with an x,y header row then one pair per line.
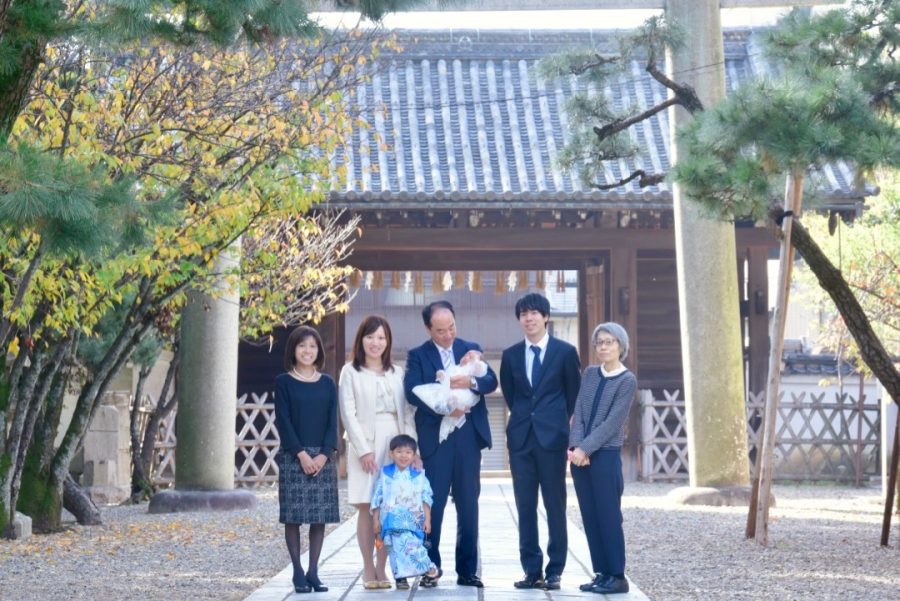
x,y
311,466
579,458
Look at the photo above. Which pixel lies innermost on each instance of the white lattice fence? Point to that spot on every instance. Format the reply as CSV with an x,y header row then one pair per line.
x,y
821,435
256,441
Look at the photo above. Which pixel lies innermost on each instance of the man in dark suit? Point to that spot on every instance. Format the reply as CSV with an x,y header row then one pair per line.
x,y
455,463
539,377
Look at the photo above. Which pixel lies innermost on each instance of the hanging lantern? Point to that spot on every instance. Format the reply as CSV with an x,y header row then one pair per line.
x,y
419,283
395,280
540,281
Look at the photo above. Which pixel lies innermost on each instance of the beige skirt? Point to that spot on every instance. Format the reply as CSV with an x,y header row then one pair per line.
x,y
360,484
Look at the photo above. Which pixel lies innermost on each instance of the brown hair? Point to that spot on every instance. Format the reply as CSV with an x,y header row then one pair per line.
x,y
298,335
369,325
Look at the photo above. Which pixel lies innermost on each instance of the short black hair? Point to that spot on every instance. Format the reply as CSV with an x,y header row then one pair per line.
x,y
430,308
402,441
533,302
297,336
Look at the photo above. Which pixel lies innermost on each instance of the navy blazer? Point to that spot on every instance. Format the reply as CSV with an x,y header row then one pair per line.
x,y
422,365
548,408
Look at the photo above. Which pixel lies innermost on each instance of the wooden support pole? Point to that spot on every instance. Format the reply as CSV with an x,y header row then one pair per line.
x,y
892,486
793,198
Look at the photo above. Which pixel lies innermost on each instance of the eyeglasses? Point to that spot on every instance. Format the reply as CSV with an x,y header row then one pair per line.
x,y
606,341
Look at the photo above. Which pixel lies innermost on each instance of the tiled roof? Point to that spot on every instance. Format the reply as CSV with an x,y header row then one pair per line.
x,y
464,116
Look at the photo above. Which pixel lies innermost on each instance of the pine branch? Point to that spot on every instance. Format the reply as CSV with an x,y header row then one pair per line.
x,y
646,179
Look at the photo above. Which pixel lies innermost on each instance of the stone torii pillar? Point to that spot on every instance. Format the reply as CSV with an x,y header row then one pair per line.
x,y
207,395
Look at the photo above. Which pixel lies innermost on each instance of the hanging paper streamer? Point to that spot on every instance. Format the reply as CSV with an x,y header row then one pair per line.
x,y
477,282
407,281
378,280
512,281
522,280
447,281
459,280
419,283
395,280
436,284
355,278
540,281
499,283
369,278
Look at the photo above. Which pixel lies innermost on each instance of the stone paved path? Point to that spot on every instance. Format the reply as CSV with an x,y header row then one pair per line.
x,y
340,568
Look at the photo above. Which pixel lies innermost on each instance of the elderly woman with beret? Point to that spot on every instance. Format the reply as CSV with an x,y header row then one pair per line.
x,y
595,443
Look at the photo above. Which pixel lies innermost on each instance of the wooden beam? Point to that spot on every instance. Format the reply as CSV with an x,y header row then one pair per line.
x,y
527,5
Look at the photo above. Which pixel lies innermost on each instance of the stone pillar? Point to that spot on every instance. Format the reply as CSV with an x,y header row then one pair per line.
x,y
207,396
707,283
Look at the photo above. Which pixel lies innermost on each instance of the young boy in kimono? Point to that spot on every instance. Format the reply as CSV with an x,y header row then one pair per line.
x,y
401,513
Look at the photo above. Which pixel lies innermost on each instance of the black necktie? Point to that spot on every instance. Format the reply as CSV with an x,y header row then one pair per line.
x,y
536,366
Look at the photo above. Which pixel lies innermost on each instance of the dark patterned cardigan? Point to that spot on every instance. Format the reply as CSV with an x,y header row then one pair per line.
x,y
608,429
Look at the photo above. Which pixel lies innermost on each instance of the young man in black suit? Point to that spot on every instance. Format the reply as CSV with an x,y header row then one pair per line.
x,y
539,377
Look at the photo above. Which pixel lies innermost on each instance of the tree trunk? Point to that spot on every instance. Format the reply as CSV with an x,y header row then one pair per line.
x,y
830,279
140,482
15,84
164,406
78,503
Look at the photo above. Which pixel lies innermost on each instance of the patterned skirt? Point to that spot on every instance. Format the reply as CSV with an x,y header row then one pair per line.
x,y
306,499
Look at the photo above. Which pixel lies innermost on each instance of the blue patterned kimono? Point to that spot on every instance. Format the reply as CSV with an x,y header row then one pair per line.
x,y
401,495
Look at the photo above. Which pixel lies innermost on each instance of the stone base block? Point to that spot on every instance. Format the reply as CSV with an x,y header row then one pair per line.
x,y
21,526
174,501
726,496
107,495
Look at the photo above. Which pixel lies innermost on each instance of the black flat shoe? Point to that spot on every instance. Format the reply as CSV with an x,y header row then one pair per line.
x,y
530,581
611,586
470,581
552,582
587,587
402,584
316,584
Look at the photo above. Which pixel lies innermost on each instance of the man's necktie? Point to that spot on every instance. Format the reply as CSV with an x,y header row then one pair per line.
x,y
536,366
447,358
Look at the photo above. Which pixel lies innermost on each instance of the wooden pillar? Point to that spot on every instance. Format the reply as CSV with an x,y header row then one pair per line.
x,y
758,317
592,306
623,298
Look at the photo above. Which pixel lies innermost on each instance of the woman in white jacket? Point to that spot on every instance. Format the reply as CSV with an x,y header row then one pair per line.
x,y
374,410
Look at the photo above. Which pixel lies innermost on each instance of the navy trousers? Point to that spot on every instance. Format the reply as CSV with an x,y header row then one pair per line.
x,y
456,465
534,467
599,487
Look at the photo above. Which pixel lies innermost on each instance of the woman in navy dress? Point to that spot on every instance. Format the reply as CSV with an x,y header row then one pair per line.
x,y
595,443
306,419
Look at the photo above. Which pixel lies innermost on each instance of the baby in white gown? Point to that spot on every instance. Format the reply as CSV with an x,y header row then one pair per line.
x,y
445,400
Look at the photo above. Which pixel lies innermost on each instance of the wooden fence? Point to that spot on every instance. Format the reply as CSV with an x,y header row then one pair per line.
x,y
821,435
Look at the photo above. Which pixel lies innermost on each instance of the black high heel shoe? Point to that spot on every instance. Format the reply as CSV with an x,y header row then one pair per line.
x,y
301,584
316,584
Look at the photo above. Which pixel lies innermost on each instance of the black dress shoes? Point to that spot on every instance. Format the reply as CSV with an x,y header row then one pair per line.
x,y
472,580
431,581
530,581
587,587
611,586
316,584
551,583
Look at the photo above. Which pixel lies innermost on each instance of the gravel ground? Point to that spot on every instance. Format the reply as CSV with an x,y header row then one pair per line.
x,y
825,548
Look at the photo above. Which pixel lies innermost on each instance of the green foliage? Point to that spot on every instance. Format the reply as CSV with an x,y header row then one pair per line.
x,y
739,151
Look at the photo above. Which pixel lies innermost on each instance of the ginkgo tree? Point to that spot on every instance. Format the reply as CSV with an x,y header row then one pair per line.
x,y
124,174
